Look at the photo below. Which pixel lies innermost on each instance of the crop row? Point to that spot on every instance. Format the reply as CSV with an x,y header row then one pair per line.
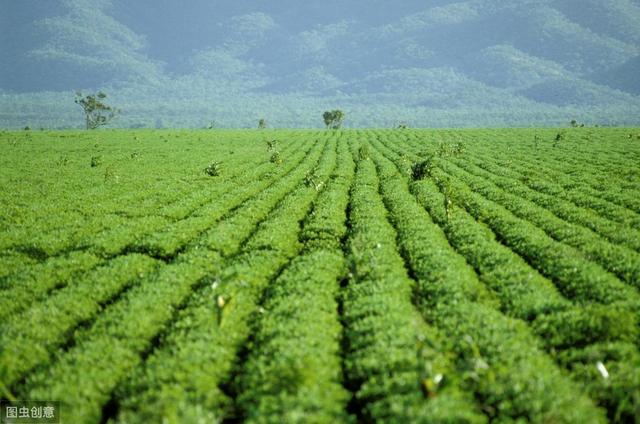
x,y
577,277
396,365
58,271
527,295
619,260
619,232
29,335
147,232
584,181
144,166
293,370
197,357
32,283
575,188
607,186
11,262
497,356
53,230
170,240
605,151
117,341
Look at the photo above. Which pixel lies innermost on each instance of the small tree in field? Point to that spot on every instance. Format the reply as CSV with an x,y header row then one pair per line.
x,y
262,124
96,112
333,119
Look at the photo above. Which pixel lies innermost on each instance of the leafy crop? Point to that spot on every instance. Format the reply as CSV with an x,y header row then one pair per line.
x,y
213,169
372,276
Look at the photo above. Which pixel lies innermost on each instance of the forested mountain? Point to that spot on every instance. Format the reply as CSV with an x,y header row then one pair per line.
x,y
429,63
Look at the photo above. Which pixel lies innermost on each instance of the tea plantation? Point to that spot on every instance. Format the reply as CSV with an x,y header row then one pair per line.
x,y
281,276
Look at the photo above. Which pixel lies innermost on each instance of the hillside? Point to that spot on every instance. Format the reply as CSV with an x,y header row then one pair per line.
x,y
514,57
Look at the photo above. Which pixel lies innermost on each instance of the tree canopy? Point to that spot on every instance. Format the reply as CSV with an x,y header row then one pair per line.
x,y
97,113
333,118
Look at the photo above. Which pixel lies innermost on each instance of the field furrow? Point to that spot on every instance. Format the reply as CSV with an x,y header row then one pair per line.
x,y
509,364
612,177
157,299
68,230
527,295
176,237
378,275
30,335
617,259
552,188
576,275
393,360
216,323
293,367
31,284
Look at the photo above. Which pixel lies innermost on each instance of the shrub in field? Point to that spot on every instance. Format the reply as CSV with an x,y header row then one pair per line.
x,y
275,158
109,173
272,145
560,137
450,149
422,169
312,180
96,161
363,152
214,169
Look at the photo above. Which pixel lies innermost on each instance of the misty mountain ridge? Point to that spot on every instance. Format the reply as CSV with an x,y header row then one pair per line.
x,y
534,60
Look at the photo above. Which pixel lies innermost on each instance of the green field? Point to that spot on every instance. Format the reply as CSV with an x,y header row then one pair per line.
x,y
322,276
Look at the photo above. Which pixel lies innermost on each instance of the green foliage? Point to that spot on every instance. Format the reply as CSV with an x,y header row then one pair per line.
x,y
312,180
363,152
272,145
488,362
63,160
333,119
262,124
393,359
97,113
450,149
559,138
575,124
498,283
30,341
422,169
275,158
213,169
110,174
